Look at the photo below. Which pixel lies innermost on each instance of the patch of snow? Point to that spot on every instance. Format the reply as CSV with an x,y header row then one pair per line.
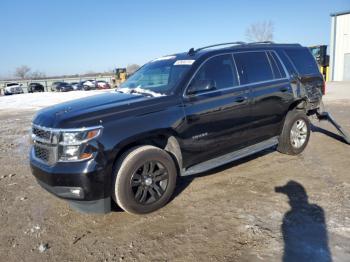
x,y
164,58
43,247
138,90
127,90
36,101
35,228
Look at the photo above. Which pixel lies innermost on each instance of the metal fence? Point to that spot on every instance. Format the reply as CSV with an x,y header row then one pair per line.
x,y
47,83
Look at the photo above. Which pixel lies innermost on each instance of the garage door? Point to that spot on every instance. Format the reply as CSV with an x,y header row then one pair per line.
x,y
347,67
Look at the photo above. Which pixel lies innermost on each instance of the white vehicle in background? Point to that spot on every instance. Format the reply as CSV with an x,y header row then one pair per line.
x,y
13,88
101,84
89,85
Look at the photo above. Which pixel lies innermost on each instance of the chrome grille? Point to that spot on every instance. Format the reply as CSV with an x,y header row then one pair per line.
x,y
43,148
42,153
42,134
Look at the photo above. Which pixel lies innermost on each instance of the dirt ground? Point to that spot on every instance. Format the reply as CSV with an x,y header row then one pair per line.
x,y
229,214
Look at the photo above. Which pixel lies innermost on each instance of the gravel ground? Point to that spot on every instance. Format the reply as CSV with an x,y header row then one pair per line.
x,y
232,213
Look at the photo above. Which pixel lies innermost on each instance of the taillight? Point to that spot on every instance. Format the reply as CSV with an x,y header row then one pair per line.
x,y
323,88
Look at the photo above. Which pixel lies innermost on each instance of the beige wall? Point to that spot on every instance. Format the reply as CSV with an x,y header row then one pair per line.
x,y
340,45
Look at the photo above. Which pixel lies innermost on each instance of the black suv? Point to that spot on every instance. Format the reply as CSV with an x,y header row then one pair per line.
x,y
61,87
177,115
35,87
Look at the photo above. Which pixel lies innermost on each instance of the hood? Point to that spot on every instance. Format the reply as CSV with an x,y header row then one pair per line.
x,y
86,111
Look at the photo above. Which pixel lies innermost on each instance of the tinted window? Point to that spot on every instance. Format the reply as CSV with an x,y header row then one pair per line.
x,y
277,68
303,61
220,70
253,67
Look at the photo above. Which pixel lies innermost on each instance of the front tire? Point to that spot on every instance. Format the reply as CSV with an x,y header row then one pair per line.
x,y
295,134
145,179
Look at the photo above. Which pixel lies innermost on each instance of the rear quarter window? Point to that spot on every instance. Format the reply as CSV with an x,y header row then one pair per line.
x,y
276,66
253,67
303,61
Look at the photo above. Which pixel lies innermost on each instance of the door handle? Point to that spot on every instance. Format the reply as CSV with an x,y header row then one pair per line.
x,y
284,89
241,99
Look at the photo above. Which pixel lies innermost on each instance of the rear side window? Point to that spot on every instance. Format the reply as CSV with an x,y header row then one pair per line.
x,y
303,61
253,67
277,67
219,69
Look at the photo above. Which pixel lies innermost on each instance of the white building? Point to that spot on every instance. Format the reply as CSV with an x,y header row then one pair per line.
x,y
340,47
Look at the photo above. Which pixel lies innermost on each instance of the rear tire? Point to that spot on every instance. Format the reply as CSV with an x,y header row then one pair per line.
x,y
144,179
295,134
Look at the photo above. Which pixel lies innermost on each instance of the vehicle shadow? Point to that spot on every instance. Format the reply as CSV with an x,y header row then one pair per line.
x,y
115,208
304,228
327,133
184,182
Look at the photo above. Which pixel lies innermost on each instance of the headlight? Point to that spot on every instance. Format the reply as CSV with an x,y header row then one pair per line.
x,y
72,144
77,138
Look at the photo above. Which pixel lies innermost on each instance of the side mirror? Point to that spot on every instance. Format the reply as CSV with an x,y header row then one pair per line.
x,y
200,86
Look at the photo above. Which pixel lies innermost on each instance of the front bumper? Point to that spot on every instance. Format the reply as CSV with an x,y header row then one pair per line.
x,y
86,185
101,206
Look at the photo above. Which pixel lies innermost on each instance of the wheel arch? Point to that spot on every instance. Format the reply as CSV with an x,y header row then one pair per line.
x,y
300,104
165,139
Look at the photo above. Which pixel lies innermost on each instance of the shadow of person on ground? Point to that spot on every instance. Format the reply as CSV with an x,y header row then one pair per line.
x,y
304,228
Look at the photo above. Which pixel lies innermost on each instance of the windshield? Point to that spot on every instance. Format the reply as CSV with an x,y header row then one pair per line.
x,y
315,51
158,76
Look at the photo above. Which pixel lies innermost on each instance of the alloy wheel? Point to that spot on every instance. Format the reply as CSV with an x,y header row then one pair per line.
x,y
149,182
298,133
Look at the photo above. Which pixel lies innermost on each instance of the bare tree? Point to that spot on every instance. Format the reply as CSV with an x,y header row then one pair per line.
x,y
37,75
130,69
260,32
22,71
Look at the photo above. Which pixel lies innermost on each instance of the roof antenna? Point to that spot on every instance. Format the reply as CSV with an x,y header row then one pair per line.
x,y
191,52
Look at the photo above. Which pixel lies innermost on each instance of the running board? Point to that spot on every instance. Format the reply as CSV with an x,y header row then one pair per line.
x,y
225,159
327,116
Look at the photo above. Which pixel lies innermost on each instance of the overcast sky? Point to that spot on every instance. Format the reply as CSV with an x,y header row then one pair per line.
x,y
68,37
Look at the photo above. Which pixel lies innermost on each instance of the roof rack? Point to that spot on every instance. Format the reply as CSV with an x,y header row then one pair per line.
x,y
261,42
192,51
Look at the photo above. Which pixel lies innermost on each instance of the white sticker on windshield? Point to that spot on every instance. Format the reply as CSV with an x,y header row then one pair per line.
x,y
164,58
184,62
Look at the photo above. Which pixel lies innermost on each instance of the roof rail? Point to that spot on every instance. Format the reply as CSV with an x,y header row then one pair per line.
x,y
260,42
192,51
